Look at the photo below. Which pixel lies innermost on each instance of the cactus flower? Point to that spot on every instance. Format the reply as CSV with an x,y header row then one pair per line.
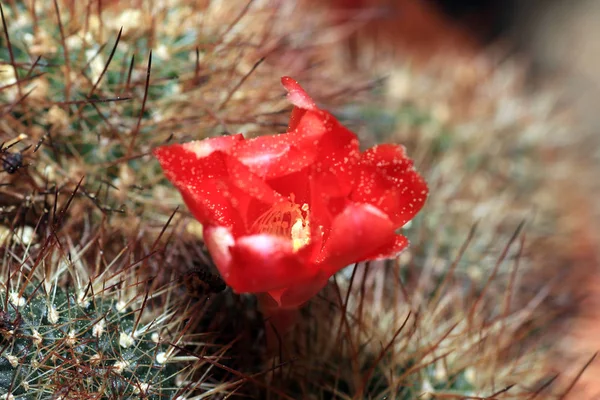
x,y
282,213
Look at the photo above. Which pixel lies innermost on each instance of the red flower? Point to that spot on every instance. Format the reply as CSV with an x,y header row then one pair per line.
x,y
282,213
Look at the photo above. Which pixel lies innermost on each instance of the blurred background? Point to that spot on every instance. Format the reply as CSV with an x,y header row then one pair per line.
x,y
557,44
556,37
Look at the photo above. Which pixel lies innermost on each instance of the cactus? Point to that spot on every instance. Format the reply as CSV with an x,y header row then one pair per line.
x,y
94,248
57,343
67,333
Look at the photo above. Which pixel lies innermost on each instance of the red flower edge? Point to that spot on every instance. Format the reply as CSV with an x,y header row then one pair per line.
x,y
282,213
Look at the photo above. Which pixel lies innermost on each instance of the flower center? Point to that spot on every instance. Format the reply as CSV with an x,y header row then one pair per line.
x,y
286,219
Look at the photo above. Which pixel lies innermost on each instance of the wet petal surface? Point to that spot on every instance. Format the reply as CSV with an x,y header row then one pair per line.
x,y
257,263
282,213
388,180
356,233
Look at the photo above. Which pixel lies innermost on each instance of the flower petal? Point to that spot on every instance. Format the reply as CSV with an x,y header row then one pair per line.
x,y
334,168
356,234
273,155
256,263
319,141
213,204
299,98
203,183
178,160
313,129
388,180
203,148
335,148
390,250
296,184
218,240
242,177
298,294
297,95
216,187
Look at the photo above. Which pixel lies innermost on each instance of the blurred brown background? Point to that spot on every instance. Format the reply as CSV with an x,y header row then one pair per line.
x,y
558,37
559,41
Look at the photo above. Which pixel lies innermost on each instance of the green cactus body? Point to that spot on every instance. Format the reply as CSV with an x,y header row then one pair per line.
x,y
56,345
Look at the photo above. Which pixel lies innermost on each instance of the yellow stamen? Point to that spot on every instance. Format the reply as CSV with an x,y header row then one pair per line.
x,y
286,219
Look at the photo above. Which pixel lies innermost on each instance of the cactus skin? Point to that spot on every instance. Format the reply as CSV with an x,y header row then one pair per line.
x,y
53,344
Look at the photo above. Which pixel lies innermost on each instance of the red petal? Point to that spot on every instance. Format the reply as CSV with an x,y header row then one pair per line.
x,y
241,176
297,183
202,182
273,156
319,141
298,294
323,210
389,251
296,95
216,188
212,205
256,263
295,118
202,148
334,170
178,159
356,234
309,130
332,150
387,180
218,240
